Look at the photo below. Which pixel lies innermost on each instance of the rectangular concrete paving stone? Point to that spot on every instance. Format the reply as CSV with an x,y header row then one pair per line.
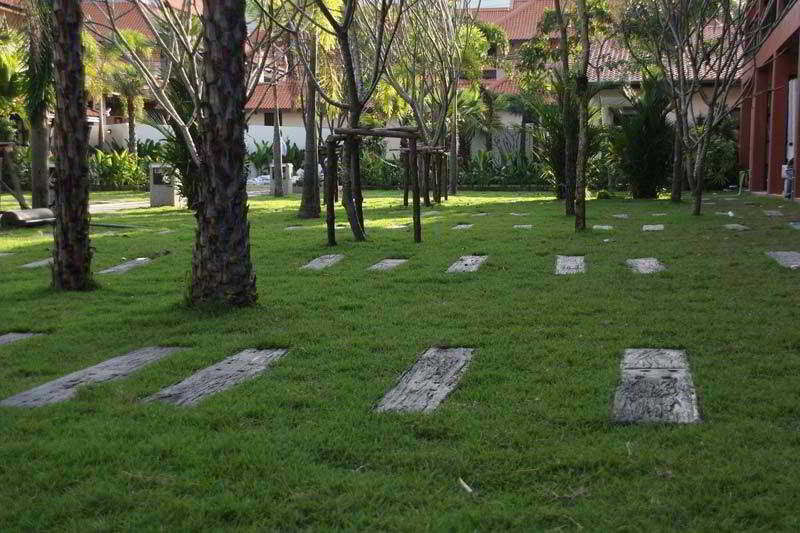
x,y
387,264
600,227
426,384
773,213
462,226
37,264
8,338
794,225
621,215
570,264
726,213
468,263
66,387
293,228
786,259
655,386
323,261
645,265
523,226
6,254
480,214
398,226
659,214
219,377
518,214
736,227
126,266
653,227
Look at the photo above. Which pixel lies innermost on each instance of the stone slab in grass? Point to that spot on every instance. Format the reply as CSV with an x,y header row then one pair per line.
x,y
219,377
426,384
66,387
126,266
480,214
37,264
398,226
794,225
323,261
523,226
736,227
709,203
786,259
8,338
653,227
570,264
429,213
462,226
165,231
468,263
655,386
6,254
518,214
621,215
659,214
773,213
293,228
387,264
600,227
645,265
726,213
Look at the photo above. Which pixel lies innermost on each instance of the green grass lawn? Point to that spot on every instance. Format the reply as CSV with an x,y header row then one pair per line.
x,y
7,202
528,427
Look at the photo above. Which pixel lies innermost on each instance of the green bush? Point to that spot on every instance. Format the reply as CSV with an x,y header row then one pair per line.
x,y
722,156
642,143
603,195
261,157
379,173
294,155
114,171
481,171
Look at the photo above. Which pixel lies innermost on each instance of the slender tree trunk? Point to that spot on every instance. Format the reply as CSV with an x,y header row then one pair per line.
x,y
677,165
570,135
101,125
426,178
582,90
131,124
330,187
351,155
221,269
404,157
414,166
309,204
40,148
277,153
10,178
453,170
72,254
697,181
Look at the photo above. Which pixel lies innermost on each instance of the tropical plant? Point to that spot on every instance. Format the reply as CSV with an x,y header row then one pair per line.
x,y
117,171
642,142
294,155
261,157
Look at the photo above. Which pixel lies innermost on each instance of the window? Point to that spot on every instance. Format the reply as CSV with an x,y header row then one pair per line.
x,y
269,118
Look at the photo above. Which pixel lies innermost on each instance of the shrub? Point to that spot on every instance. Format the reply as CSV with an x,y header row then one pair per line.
x,y
294,155
261,157
722,155
603,195
642,143
116,171
481,171
377,172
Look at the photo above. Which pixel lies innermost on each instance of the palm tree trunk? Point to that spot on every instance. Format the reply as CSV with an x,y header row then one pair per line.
x,y
309,204
131,124
40,148
221,269
677,164
72,254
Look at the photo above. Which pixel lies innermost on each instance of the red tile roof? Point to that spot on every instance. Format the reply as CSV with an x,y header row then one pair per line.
x,y
288,97
520,21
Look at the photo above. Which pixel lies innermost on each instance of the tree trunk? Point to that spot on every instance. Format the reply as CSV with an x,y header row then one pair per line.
x,y
453,170
131,124
221,269
351,156
309,203
414,166
677,165
697,181
40,148
101,125
426,178
582,90
72,254
277,153
330,187
10,178
406,170
570,136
